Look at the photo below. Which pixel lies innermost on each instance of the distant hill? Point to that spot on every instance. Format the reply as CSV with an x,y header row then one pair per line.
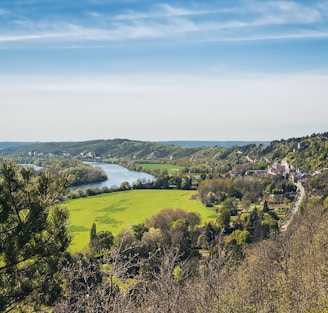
x,y
115,148
13,144
195,143
308,152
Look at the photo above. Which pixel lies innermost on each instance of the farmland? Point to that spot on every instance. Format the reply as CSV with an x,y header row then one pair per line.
x,y
120,210
171,169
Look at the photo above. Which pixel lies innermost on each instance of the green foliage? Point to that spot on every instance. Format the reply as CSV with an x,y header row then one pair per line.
x,y
217,190
318,185
105,240
33,235
252,223
169,229
326,202
100,241
224,219
185,184
93,233
207,239
79,172
259,224
139,230
242,236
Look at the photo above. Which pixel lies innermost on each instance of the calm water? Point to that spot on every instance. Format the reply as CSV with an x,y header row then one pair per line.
x,y
27,165
116,176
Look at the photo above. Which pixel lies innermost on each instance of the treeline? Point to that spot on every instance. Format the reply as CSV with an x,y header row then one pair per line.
x,y
162,181
79,173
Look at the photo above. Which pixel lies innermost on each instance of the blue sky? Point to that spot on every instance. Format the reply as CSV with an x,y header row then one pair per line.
x,y
169,70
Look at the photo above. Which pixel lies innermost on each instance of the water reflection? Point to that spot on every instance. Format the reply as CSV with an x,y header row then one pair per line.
x,y
116,176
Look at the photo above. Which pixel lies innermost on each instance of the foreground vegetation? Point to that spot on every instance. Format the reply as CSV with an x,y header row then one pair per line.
x,y
147,269
34,237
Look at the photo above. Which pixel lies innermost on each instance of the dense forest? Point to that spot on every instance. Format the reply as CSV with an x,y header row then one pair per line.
x,y
171,262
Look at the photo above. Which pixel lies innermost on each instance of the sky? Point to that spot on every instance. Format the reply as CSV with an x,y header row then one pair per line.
x,y
163,70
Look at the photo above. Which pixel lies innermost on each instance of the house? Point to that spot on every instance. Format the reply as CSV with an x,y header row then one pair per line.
x,y
256,172
279,168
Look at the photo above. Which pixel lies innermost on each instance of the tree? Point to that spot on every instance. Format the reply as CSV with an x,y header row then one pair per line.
x,y
265,207
105,240
224,219
139,230
33,236
100,241
207,239
252,223
185,184
93,233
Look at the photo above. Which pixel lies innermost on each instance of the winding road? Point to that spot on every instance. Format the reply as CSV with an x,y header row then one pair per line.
x,y
290,215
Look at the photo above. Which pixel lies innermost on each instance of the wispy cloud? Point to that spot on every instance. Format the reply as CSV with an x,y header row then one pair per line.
x,y
165,10
285,12
254,20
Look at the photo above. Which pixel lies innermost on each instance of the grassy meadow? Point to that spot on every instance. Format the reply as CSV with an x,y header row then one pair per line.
x,y
119,210
171,168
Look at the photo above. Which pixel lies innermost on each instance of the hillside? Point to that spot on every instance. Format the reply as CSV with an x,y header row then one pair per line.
x,y
116,148
308,152
9,144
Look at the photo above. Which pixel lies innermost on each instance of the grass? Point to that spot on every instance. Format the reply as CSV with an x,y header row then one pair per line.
x,y
172,169
120,210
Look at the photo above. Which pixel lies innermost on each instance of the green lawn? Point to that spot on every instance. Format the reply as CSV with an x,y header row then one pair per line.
x,y
119,210
172,169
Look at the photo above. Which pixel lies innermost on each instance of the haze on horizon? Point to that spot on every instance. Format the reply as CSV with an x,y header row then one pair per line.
x,y
162,70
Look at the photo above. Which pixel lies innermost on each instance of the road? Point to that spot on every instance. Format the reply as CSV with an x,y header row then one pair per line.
x,y
290,215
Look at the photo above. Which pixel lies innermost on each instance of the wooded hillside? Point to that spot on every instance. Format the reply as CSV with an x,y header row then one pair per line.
x,y
308,152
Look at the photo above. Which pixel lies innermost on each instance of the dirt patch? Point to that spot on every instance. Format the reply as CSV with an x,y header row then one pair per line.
x,y
194,197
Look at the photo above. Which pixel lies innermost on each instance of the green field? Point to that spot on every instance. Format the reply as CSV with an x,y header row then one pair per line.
x,y
119,210
172,169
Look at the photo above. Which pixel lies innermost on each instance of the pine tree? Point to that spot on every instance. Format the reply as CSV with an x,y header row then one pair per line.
x,y
265,207
33,236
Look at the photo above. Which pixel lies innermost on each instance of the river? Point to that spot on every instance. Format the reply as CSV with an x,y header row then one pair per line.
x,y
116,176
27,165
